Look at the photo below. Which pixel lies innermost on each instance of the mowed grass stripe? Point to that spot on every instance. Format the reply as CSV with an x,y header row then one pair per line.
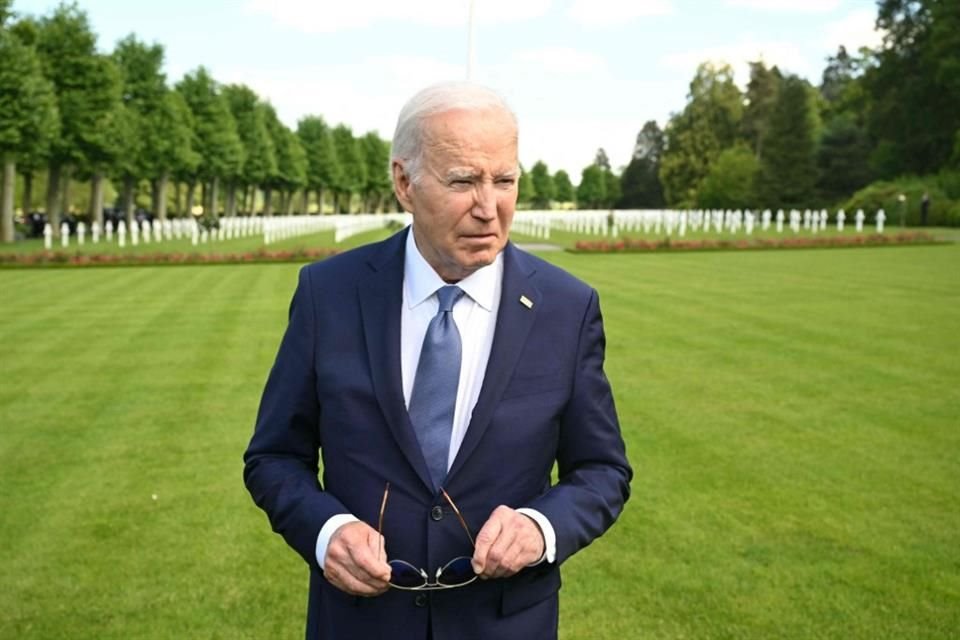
x,y
792,429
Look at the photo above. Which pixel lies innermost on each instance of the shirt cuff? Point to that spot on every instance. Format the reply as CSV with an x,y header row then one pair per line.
x,y
326,532
549,535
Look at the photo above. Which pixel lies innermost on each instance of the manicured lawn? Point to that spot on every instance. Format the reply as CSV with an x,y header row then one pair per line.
x,y
792,418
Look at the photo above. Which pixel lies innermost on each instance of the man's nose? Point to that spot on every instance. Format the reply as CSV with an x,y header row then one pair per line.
x,y
485,201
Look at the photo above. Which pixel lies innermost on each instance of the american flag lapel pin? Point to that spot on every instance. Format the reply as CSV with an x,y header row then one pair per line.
x,y
527,302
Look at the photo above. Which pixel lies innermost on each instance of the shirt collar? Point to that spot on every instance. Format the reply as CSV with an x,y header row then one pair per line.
x,y
421,281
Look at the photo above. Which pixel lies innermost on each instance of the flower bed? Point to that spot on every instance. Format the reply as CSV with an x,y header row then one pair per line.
x,y
627,245
68,259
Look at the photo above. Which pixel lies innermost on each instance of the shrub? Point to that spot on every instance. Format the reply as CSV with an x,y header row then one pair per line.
x,y
884,195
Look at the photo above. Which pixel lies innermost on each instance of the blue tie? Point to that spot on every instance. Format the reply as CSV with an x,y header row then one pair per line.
x,y
434,394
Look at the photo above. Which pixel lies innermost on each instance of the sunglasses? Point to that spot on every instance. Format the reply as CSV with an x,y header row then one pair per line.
x,y
455,573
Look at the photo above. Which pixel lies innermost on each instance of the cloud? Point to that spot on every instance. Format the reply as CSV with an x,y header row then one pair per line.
x,y
314,16
855,30
606,13
787,57
561,60
788,6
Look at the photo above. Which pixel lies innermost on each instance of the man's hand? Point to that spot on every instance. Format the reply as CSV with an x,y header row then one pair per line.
x,y
508,542
356,562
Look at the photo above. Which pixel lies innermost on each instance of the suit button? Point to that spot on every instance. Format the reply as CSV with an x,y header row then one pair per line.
x,y
436,513
420,600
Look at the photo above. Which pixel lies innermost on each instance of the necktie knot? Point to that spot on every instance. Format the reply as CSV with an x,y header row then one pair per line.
x,y
448,296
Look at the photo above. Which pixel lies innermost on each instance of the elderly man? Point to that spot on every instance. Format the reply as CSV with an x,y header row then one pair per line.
x,y
441,374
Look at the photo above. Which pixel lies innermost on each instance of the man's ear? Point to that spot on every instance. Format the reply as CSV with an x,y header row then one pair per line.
x,y
402,184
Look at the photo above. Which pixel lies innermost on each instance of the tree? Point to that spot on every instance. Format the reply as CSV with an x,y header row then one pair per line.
x,y
215,131
291,171
323,168
788,170
760,97
592,190
914,87
611,189
543,187
563,187
353,173
640,182
525,191
730,183
87,89
376,157
708,124
259,154
28,117
842,159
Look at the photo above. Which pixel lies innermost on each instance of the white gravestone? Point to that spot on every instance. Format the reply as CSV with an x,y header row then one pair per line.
x,y
47,236
881,217
841,216
81,232
122,234
109,228
859,218
780,220
64,235
134,233
95,232
795,220
145,231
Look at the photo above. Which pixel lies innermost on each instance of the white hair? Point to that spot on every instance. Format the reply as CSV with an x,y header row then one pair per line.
x,y
442,97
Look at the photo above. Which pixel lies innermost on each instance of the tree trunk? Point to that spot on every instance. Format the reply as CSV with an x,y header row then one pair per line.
x,y
127,200
96,199
305,202
176,199
27,192
65,184
161,209
320,200
213,197
230,207
204,197
267,202
191,190
53,198
288,210
6,199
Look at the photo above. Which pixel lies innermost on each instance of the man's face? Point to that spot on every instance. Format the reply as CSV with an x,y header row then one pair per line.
x,y
464,202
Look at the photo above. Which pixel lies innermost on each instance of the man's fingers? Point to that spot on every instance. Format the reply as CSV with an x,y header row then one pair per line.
x,y
355,562
508,542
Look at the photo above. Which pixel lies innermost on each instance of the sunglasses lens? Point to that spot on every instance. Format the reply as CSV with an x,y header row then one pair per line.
x,y
405,575
457,572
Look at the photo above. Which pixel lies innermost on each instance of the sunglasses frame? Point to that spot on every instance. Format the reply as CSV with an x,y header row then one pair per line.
x,y
427,585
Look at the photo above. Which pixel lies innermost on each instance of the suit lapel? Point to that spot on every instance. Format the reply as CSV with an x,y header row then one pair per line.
x,y
514,320
381,295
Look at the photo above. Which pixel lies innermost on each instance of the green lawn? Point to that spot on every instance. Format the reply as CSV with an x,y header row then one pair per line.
x,y
792,418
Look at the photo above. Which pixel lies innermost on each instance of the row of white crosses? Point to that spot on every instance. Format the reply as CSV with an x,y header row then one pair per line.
x,y
343,227
147,232
670,221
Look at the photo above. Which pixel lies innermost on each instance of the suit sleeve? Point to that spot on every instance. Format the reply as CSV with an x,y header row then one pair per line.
x,y
282,460
594,474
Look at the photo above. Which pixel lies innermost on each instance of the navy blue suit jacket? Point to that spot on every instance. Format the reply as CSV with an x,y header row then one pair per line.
x,y
335,391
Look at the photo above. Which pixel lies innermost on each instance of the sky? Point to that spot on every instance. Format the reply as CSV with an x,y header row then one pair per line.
x,y
580,74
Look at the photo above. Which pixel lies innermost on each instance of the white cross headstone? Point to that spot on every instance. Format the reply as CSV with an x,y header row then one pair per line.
x,y
765,224
95,232
204,235
881,217
81,232
748,224
841,216
780,220
122,233
109,227
859,219
134,233
64,235
145,231
823,219
47,236
795,220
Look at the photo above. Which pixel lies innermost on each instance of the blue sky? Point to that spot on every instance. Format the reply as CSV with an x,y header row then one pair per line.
x,y
579,73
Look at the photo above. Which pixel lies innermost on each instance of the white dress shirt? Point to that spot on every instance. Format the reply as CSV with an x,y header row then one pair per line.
x,y
475,315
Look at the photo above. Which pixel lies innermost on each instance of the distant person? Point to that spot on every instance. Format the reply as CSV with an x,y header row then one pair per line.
x,y
924,208
440,374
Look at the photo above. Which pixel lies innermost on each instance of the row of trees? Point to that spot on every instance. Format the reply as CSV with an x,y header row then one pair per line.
x,y
73,114
876,115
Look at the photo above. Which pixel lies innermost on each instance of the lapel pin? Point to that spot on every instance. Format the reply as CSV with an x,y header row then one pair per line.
x,y
527,302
